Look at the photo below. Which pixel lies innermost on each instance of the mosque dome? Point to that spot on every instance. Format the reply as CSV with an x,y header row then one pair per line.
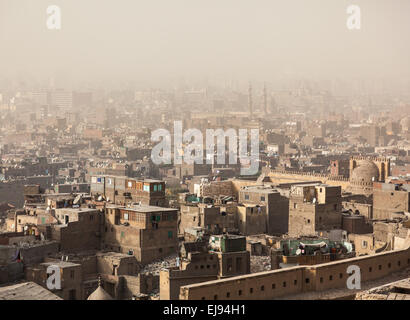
x,y
100,294
366,173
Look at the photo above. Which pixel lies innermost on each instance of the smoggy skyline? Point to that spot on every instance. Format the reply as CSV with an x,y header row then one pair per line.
x,y
227,39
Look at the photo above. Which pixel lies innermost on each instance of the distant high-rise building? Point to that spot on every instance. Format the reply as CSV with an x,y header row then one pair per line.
x,y
265,100
273,106
61,98
250,102
39,97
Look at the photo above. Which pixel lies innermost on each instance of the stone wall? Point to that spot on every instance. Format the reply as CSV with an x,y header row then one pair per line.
x,y
289,281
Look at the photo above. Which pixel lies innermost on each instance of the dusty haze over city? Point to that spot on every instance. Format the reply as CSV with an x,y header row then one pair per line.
x,y
155,42
204,150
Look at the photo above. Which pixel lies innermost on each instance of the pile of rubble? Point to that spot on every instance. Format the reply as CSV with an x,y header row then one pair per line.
x,y
155,266
260,263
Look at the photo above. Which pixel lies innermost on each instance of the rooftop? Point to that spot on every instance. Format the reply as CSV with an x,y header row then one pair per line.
x,y
26,291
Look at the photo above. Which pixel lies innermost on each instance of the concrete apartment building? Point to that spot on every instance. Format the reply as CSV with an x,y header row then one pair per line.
x,y
147,232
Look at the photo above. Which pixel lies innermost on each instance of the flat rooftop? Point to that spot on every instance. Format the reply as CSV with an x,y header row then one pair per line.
x,y
61,264
142,208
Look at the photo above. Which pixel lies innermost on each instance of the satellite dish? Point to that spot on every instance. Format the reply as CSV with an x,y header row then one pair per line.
x,y
77,199
298,252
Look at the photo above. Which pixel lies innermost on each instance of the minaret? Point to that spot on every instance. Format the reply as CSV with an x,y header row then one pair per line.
x,y
250,100
265,100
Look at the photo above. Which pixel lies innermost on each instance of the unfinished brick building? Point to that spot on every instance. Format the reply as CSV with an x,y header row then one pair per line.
x,y
314,208
277,206
214,219
389,199
225,257
124,190
148,232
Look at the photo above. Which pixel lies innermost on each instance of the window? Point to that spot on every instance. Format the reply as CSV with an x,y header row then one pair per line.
x,y
370,269
308,221
284,284
170,234
246,196
330,278
295,282
239,264
340,275
364,244
263,198
228,294
380,266
295,206
125,216
398,263
160,187
251,290
146,188
307,280
129,184
240,292
216,297
321,279
262,288
229,264
273,286
72,274
155,187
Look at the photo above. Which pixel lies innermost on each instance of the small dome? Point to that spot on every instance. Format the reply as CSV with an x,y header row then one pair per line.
x,y
99,294
367,172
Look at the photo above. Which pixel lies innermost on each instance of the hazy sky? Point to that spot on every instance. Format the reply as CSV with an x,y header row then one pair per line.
x,y
241,39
